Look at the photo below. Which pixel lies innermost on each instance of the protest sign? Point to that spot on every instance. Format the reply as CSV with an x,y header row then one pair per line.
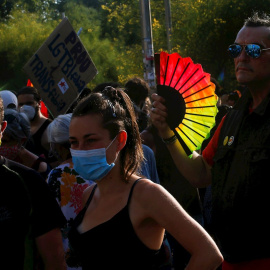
x,y
60,69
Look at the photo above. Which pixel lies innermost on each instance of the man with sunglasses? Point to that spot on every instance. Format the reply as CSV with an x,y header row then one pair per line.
x,y
236,161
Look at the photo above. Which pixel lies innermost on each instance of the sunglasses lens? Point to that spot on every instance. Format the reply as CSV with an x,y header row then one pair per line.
x,y
253,50
234,50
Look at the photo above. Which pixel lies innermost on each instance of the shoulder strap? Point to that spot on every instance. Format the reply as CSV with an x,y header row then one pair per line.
x,y
90,197
36,163
131,190
44,125
42,128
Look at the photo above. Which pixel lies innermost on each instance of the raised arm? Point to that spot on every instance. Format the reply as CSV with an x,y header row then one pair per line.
x,y
194,169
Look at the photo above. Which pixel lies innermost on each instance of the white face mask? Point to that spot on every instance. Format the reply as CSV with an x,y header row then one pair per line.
x,y
29,111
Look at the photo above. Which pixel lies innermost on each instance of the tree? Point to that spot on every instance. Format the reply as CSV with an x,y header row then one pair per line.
x,y
201,29
5,8
46,10
20,37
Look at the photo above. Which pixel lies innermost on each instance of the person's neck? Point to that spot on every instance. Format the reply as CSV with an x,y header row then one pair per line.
x,y
112,182
38,118
37,122
69,160
259,93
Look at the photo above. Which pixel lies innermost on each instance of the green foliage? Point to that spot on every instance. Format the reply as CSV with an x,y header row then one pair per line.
x,y
201,29
46,10
159,26
121,21
5,8
20,37
91,3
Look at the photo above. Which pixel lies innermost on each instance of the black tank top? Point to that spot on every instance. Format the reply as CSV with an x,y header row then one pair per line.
x,y
113,244
37,138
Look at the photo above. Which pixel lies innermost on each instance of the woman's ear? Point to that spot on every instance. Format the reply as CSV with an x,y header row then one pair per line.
x,y
122,139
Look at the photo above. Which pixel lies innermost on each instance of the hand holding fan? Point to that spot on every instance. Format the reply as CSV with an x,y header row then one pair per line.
x,y
190,99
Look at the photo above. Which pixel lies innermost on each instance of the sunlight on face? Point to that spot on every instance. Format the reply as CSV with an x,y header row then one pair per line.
x,y
86,132
252,70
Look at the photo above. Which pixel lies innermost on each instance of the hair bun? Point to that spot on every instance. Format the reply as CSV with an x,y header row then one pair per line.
x,y
111,93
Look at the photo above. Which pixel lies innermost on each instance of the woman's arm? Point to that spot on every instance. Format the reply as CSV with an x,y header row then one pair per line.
x,y
163,208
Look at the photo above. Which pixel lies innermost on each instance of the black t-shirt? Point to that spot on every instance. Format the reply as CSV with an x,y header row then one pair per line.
x,y
45,211
15,209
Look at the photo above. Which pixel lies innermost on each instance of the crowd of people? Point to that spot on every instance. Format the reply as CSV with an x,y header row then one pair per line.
x,y
108,186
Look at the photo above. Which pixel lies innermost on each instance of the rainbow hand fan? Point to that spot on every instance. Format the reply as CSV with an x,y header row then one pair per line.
x,y
190,99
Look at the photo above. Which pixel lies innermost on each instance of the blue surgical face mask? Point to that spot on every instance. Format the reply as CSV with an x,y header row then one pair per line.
x,y
91,164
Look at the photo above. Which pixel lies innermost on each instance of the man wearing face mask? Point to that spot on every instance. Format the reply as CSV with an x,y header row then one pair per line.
x,y
29,103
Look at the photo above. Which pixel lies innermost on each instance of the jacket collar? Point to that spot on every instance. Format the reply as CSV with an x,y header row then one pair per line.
x,y
246,100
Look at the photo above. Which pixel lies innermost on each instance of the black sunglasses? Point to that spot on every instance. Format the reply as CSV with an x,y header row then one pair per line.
x,y
252,50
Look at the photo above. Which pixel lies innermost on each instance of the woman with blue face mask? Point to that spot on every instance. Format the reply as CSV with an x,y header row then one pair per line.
x,y
125,215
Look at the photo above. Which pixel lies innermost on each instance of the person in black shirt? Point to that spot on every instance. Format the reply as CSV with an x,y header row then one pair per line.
x,y
27,208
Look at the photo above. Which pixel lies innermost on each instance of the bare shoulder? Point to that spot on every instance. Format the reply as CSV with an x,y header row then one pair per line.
x,y
153,201
145,184
147,191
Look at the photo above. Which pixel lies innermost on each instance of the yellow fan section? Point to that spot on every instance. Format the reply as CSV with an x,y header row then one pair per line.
x,y
199,118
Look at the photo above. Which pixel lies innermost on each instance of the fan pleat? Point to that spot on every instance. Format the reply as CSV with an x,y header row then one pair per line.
x,y
165,75
193,73
188,79
198,129
182,142
196,122
181,76
203,115
193,85
186,137
174,71
199,99
195,90
201,107
203,126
